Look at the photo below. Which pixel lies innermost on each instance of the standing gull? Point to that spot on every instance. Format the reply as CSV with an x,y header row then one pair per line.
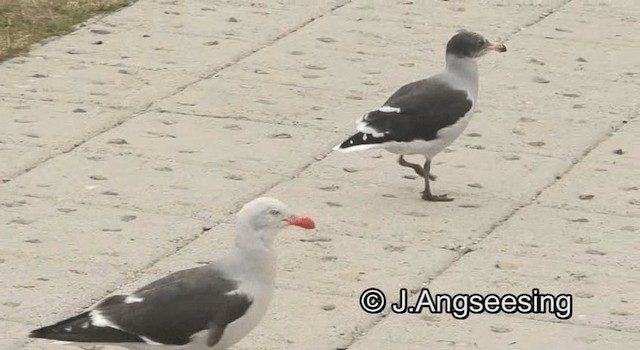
x,y
210,307
426,116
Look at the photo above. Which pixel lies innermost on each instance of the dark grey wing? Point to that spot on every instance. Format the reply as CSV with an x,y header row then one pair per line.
x,y
417,111
426,106
171,310
187,274
428,84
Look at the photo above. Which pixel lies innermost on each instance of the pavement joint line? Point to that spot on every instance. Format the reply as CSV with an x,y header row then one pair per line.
x,y
244,56
543,16
229,220
317,292
12,98
576,161
566,157
51,200
63,150
387,311
240,118
588,211
235,208
149,106
579,160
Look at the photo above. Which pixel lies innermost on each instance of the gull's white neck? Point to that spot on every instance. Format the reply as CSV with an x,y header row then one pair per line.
x,y
250,238
464,72
253,255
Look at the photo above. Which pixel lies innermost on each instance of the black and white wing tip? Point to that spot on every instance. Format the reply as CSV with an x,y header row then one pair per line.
x,y
371,131
90,326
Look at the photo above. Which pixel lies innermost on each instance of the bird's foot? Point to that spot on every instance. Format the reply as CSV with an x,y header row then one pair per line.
x,y
429,197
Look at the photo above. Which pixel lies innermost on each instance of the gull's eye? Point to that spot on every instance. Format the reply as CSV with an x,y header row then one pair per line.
x,y
274,212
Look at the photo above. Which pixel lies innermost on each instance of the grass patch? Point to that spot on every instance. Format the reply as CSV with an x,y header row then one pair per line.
x,y
25,22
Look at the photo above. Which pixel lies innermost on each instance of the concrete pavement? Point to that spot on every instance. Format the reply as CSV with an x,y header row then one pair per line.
x,y
128,145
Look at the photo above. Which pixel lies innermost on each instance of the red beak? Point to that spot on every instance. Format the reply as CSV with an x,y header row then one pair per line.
x,y
301,221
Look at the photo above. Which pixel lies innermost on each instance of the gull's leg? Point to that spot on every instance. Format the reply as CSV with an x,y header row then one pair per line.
x,y
417,168
426,194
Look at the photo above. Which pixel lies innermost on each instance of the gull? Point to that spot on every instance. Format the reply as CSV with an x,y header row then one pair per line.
x,y
209,307
426,116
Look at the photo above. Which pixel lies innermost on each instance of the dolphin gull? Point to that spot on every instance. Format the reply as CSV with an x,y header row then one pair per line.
x,y
209,307
426,116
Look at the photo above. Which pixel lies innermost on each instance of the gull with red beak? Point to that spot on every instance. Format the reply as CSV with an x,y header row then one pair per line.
x,y
210,307
426,116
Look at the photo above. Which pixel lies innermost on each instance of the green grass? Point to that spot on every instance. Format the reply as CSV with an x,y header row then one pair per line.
x,y
25,22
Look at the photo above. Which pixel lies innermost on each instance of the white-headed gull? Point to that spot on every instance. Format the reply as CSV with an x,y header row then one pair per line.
x,y
209,307
425,116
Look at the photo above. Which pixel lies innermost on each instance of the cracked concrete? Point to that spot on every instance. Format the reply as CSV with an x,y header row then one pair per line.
x,y
128,145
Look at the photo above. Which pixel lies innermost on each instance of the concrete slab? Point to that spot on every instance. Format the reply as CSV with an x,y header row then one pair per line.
x,y
337,270
562,136
321,322
269,103
493,17
17,158
188,189
357,57
331,67
569,236
323,262
136,48
352,73
54,79
54,125
135,76
374,212
595,22
215,142
536,54
563,95
9,330
490,332
457,172
57,256
254,21
604,181
602,298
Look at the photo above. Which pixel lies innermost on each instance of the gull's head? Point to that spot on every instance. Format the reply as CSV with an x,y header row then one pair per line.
x,y
267,216
466,44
